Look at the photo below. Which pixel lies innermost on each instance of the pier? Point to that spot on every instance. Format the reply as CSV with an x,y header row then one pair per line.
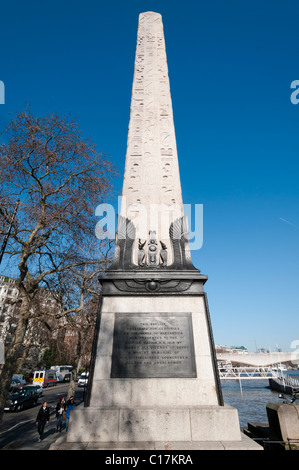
x,y
252,373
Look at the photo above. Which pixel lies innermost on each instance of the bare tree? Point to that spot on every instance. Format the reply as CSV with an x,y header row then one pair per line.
x,y
59,178
79,286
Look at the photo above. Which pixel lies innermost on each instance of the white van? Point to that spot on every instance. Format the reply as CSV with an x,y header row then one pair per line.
x,y
45,378
83,379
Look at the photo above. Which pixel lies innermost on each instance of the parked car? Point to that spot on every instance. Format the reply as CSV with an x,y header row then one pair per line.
x,y
21,398
15,384
83,380
20,378
38,388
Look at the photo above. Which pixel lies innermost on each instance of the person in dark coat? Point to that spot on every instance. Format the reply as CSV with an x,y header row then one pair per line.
x,y
42,419
60,413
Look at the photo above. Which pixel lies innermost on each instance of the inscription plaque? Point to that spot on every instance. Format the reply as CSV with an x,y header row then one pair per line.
x,y
153,345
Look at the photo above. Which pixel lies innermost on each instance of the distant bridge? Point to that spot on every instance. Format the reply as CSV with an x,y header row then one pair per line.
x,y
259,359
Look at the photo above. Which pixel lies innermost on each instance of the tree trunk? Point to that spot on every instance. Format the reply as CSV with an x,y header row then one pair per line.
x,y
77,359
72,384
12,356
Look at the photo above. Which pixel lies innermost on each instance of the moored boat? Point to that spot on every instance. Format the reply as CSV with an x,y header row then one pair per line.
x,y
284,384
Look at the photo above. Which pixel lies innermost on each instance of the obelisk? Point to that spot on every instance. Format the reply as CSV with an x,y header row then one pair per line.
x,y
153,381
151,189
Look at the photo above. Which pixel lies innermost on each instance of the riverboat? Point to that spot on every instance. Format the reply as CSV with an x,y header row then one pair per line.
x,y
284,384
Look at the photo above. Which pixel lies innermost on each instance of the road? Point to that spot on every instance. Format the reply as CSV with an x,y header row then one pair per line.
x,y
18,429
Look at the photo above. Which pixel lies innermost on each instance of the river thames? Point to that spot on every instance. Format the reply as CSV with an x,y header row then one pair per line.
x,y
251,397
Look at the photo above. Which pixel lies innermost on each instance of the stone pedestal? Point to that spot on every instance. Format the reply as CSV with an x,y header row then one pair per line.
x,y
167,392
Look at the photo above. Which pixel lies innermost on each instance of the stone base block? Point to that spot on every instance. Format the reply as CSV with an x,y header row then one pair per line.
x,y
175,424
283,421
244,444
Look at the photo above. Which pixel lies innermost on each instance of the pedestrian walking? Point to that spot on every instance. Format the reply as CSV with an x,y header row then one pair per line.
x,y
70,406
42,419
60,413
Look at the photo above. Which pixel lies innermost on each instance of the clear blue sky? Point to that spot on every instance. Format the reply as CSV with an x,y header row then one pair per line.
x,y
230,66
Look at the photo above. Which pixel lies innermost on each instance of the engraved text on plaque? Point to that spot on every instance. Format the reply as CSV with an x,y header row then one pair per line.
x,y
153,345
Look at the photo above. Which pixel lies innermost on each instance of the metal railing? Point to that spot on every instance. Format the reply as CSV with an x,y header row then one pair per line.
x,y
247,373
270,444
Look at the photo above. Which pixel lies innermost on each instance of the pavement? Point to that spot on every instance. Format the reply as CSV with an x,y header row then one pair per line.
x,y
27,437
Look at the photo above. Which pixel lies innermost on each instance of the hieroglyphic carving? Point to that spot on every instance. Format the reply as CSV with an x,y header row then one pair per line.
x,y
152,256
151,175
134,178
